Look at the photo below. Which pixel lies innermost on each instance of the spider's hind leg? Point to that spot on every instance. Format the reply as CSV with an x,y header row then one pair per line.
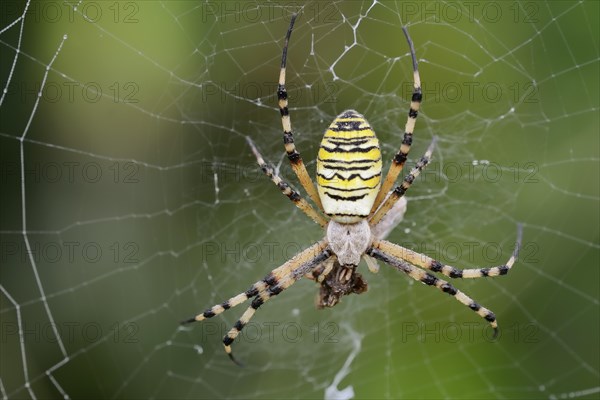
x,y
399,191
285,188
288,136
400,158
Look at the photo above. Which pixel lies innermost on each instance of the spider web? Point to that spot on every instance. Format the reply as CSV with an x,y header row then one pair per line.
x,y
130,199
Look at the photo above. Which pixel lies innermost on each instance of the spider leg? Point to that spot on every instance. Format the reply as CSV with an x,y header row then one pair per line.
x,y
413,112
298,266
217,309
387,224
285,188
258,287
320,272
430,280
288,137
400,190
391,220
431,264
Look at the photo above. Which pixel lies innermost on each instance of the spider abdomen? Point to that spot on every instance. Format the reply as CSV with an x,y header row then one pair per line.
x,y
349,168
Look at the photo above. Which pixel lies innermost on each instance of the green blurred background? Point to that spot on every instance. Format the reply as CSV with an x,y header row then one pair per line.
x,y
142,205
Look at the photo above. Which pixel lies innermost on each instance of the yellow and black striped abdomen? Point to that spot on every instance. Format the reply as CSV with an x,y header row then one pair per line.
x,y
349,168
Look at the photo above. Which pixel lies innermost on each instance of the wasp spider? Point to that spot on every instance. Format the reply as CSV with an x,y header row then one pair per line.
x,y
358,207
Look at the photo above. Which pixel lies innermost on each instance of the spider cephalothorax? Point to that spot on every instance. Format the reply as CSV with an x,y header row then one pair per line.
x,y
349,241
356,208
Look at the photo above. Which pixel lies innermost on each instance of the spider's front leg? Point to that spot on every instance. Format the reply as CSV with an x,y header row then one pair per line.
x,y
433,265
259,287
430,280
401,258
297,267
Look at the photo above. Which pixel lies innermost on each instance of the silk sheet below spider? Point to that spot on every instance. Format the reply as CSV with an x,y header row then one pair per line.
x,y
356,205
